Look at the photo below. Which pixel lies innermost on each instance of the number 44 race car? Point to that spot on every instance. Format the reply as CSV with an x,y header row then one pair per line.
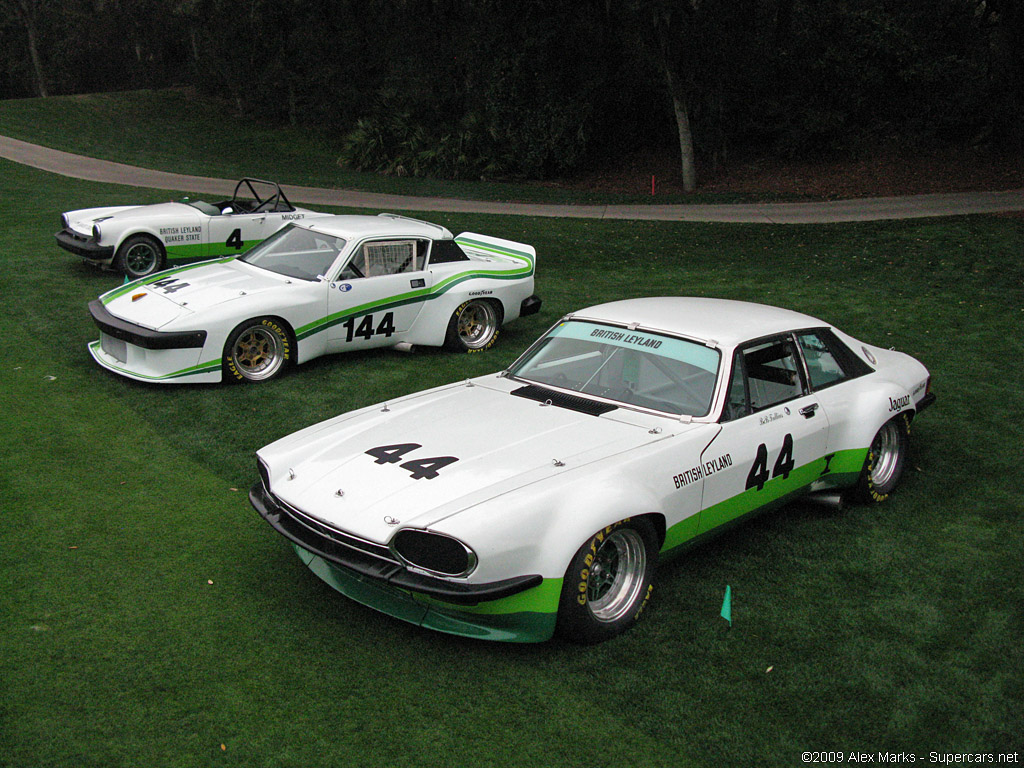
x,y
538,500
139,240
318,286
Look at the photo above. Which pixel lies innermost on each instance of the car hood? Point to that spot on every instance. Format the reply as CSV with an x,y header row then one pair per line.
x,y
501,442
83,220
175,294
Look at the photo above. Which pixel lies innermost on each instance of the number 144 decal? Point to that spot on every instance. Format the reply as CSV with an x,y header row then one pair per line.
x,y
419,469
758,474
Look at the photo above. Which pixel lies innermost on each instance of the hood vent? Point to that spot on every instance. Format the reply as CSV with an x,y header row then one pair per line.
x,y
562,400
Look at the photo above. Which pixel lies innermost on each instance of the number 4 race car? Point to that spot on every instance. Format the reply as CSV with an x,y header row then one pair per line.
x,y
317,286
537,500
139,240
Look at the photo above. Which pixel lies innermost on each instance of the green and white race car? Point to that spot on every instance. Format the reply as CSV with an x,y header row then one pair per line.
x,y
539,499
139,240
317,286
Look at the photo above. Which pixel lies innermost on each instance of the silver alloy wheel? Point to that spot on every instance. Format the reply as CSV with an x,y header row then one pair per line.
x,y
477,324
617,575
141,259
257,353
885,450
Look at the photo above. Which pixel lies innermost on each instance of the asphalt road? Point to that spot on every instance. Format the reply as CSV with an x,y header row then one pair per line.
x,y
861,209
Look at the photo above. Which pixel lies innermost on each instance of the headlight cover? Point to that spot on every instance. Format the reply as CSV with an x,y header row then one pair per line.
x,y
433,552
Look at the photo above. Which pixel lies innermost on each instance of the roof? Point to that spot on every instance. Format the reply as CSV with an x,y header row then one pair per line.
x,y
723,321
353,227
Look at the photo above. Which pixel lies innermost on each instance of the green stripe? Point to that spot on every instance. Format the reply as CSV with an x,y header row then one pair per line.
x,y
843,469
109,296
422,294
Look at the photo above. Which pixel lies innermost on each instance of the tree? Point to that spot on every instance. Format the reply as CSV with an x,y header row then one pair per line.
x,y
26,12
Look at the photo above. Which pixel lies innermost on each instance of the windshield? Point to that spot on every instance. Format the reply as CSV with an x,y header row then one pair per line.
x,y
648,370
296,252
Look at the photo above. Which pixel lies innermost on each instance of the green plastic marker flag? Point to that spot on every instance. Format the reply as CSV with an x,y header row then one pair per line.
x,y
727,605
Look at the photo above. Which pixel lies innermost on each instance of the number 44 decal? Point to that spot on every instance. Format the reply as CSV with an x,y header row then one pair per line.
x,y
758,474
419,469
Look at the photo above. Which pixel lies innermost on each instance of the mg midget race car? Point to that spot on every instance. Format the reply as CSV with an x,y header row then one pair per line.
x,y
139,240
539,499
320,285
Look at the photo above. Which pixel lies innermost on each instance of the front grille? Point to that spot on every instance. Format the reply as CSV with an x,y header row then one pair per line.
x,y
326,533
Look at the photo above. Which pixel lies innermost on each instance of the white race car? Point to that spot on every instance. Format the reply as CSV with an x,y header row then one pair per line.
x,y
139,240
539,499
317,286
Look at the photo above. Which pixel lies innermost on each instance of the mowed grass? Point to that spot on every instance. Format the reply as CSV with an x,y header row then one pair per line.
x,y
150,618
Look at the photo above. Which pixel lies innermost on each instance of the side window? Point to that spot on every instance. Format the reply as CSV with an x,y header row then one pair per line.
x,y
763,374
822,365
447,251
386,257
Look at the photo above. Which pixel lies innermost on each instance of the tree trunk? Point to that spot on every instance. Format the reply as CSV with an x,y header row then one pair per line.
x,y
686,154
25,11
37,65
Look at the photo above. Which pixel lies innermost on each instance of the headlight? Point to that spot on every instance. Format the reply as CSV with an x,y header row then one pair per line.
x,y
64,223
96,234
433,552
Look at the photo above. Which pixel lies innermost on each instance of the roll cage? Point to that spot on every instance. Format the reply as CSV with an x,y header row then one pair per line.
x,y
250,196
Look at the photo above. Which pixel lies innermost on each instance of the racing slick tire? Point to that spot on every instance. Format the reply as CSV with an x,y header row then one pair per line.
x,y
257,350
608,582
885,460
474,326
139,256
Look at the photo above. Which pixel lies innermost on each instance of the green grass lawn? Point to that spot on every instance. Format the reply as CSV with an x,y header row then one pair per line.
x,y
148,617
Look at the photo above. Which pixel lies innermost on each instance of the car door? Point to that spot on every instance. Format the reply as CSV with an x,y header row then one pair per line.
x,y
773,435
234,233
377,296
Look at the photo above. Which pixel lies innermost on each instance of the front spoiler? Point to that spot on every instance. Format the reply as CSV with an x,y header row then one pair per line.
x,y
377,569
143,337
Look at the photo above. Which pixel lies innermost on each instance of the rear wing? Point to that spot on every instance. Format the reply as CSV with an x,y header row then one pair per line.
x,y
497,249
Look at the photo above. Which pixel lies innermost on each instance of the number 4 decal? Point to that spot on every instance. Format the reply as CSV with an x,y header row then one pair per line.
x,y
758,475
419,469
235,240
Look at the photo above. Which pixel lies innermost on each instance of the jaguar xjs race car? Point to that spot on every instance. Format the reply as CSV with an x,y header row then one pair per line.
x,y
140,240
539,499
318,286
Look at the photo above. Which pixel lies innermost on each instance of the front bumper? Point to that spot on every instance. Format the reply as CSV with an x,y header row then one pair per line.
x,y
87,248
375,565
143,337
520,610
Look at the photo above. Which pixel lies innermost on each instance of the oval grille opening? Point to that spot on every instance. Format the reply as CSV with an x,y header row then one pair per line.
x,y
433,552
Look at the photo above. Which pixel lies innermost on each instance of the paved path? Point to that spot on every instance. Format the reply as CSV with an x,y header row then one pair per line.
x,y
864,209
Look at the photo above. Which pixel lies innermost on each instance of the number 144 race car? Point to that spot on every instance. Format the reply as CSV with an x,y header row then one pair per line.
x,y
318,286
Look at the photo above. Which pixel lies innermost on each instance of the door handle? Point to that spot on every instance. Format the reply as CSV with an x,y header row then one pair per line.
x,y
808,410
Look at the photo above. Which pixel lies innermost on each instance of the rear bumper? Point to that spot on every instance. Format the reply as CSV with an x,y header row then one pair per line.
x,y
530,306
84,247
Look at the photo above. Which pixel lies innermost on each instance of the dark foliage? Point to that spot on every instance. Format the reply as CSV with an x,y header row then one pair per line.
x,y
506,88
